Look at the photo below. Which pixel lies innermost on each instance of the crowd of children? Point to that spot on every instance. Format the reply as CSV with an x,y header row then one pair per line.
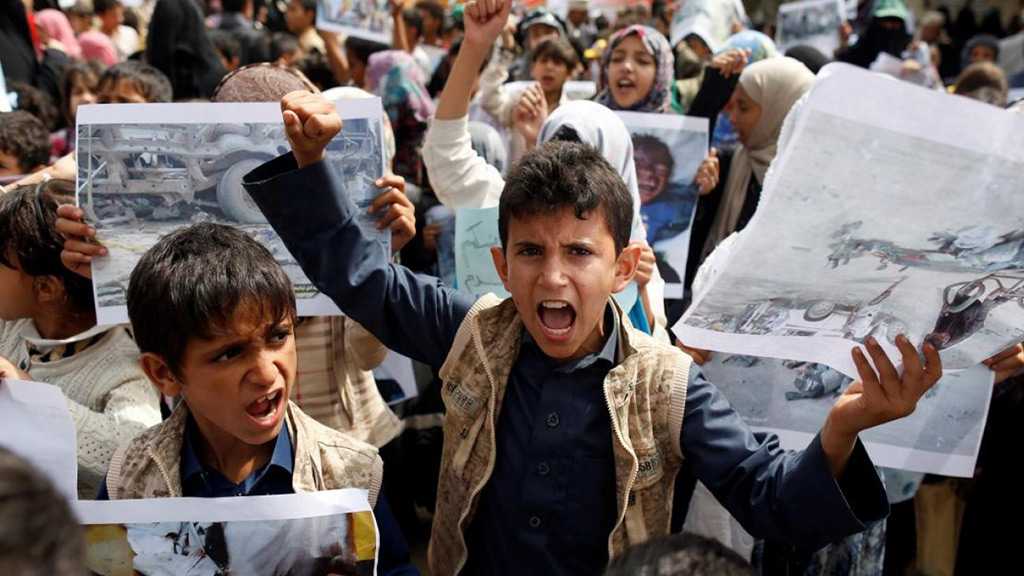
x,y
555,432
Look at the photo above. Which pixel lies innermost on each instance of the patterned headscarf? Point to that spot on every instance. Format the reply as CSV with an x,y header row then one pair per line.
x,y
659,99
399,81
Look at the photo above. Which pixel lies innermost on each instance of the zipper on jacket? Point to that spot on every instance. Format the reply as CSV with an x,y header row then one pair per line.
x,y
632,476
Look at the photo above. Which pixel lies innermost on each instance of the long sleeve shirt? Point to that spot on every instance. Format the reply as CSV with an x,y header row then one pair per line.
x,y
556,489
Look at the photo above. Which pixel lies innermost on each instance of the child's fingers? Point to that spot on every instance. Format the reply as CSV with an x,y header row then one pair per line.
x,y
913,370
867,375
385,199
1008,353
292,126
73,228
391,181
932,363
77,263
84,248
70,212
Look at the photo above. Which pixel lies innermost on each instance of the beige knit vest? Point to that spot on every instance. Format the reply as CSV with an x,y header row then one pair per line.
x,y
645,394
149,466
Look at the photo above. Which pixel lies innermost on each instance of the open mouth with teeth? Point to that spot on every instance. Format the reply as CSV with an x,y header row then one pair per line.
x,y
625,84
266,409
557,318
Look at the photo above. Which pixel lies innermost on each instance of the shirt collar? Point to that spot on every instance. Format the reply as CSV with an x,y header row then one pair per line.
x,y
607,353
191,466
32,337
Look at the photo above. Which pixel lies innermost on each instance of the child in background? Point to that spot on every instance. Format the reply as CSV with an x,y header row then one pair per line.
x,y
301,21
133,82
552,63
24,145
48,333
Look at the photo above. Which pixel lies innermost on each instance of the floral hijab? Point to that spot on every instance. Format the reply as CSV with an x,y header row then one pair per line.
x,y
659,99
398,80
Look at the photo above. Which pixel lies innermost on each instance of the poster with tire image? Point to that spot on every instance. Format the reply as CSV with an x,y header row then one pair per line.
x,y
146,170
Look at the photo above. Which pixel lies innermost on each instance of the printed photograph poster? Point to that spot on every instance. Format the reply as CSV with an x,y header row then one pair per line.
x,y
874,220
146,170
667,151
368,19
792,399
811,23
309,534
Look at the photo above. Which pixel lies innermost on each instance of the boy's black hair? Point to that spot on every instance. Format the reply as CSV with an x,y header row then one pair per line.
x,y
101,6
23,136
229,6
559,174
193,281
440,76
29,242
37,103
362,48
656,147
556,49
282,43
150,82
413,19
309,6
39,533
316,68
674,554
433,8
227,44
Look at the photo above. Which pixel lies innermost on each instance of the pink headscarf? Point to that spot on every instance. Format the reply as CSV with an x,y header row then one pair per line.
x,y
97,46
56,25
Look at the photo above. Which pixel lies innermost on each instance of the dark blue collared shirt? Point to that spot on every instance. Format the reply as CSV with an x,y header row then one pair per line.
x,y
275,477
554,429
558,514
202,481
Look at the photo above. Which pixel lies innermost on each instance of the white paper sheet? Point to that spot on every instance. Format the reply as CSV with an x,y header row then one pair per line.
x,y
309,533
38,427
145,170
369,19
1011,54
792,399
395,378
668,195
811,23
892,209
5,104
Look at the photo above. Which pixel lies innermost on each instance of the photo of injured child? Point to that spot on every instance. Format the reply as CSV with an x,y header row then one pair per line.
x,y
667,156
342,544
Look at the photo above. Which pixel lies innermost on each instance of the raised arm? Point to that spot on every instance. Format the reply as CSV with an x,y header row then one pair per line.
x,y
461,178
306,203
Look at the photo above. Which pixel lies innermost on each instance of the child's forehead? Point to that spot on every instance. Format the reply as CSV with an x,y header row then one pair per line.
x,y
561,222
249,319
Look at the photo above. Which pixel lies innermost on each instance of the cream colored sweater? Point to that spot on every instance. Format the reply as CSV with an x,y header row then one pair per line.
x,y
110,398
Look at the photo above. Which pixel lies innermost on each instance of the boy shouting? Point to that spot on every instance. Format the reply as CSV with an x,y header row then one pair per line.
x,y
565,427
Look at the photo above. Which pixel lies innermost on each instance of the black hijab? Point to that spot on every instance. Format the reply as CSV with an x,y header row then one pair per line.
x,y
178,46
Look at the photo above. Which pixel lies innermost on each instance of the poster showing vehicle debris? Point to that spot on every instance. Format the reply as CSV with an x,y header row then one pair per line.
x,y
369,19
309,534
147,170
899,214
667,151
792,399
811,23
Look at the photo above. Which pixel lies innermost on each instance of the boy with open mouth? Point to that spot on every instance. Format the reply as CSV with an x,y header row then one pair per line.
x,y
565,427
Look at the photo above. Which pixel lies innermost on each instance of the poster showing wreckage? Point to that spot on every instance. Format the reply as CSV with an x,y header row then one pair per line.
x,y
311,534
667,151
369,19
146,171
810,23
792,399
901,214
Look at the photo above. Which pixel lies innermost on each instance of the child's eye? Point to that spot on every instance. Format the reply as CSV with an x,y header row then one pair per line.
x,y
579,251
230,353
280,335
529,251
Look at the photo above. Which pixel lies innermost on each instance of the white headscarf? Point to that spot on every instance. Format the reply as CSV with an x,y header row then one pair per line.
x,y
601,128
776,84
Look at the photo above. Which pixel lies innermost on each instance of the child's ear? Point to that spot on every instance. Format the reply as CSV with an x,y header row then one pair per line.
x,y
625,266
48,290
500,265
160,374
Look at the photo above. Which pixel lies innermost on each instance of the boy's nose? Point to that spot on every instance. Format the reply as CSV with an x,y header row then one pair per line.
x,y
265,371
552,275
